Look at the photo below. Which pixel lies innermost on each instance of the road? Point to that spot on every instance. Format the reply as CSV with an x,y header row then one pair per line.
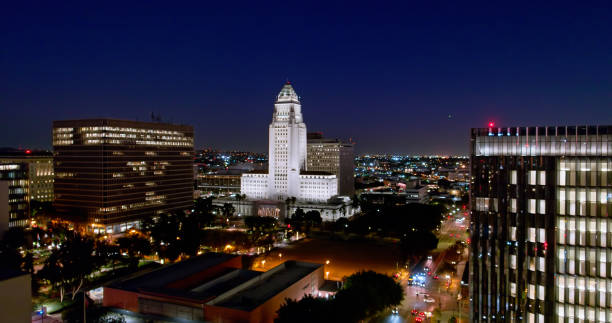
x,y
444,296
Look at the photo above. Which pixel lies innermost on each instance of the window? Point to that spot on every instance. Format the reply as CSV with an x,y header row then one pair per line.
x,y
532,206
531,179
542,207
513,177
542,177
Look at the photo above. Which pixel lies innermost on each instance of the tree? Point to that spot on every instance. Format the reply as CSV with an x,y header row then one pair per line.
x,y
368,292
228,210
203,209
417,244
363,294
313,218
136,246
71,264
190,234
341,224
308,309
165,234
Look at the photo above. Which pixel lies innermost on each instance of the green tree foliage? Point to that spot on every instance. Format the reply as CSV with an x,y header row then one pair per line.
x,y
136,247
416,244
69,266
363,295
260,223
308,309
304,221
218,239
368,292
175,234
203,209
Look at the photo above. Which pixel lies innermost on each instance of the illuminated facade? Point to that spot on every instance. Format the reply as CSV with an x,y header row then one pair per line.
x,y
287,176
39,172
118,172
541,244
335,157
16,176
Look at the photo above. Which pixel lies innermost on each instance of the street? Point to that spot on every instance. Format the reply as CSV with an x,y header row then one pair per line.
x,y
444,297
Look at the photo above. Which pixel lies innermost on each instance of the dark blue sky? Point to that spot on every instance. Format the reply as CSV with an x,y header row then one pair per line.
x,y
387,75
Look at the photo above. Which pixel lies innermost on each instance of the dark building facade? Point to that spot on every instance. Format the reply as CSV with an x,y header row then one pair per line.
x,y
335,157
540,229
115,173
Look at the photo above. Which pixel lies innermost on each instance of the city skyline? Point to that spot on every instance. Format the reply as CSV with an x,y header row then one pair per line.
x,y
409,79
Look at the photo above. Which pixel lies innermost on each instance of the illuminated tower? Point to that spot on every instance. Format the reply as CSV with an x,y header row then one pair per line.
x,y
541,248
287,146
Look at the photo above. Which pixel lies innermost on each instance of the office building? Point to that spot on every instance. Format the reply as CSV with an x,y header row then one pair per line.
x,y
335,157
213,288
15,190
39,175
541,243
114,173
287,174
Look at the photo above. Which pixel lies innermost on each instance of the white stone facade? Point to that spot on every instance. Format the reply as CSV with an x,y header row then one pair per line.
x,y
287,176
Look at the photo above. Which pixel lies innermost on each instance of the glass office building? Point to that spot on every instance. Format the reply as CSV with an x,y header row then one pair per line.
x,y
114,173
16,175
540,228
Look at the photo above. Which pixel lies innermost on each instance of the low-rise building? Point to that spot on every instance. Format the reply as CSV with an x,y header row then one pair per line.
x,y
15,296
213,288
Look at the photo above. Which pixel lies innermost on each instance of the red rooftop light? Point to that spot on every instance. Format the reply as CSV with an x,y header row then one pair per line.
x,y
28,151
491,124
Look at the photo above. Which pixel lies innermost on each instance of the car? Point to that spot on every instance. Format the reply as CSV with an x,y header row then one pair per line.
x,y
414,312
418,319
429,257
422,314
395,311
429,300
435,277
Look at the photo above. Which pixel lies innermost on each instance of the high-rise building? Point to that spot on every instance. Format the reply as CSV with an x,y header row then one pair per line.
x,y
287,175
39,171
116,172
335,157
541,238
15,193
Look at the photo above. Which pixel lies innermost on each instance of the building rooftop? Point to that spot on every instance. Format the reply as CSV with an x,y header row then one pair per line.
x,y
258,171
160,281
315,173
121,123
266,285
24,153
8,273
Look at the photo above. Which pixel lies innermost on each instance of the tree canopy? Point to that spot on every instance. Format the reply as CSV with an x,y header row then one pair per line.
x,y
363,295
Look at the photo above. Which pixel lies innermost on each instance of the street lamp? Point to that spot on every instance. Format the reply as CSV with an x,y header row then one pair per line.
x,y
327,262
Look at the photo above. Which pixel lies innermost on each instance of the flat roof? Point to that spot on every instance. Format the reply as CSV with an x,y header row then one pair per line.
x,y
268,284
8,273
157,279
121,123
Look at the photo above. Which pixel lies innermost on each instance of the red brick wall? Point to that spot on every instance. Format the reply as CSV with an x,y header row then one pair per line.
x,y
266,312
120,299
216,314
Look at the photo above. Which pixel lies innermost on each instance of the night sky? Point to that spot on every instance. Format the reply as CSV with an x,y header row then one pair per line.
x,y
388,76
